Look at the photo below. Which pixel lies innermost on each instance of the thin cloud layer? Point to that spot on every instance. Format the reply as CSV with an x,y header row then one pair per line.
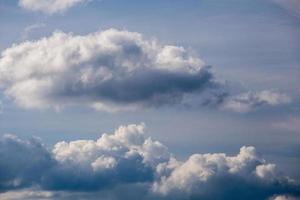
x,y
49,6
128,160
293,6
110,70
248,101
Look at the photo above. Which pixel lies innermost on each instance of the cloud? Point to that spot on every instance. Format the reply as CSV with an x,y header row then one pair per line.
x,y
129,161
110,70
29,29
293,6
22,163
284,197
26,195
248,101
49,6
290,124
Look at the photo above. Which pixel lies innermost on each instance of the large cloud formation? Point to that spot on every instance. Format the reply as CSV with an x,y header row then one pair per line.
x,y
49,6
129,161
109,70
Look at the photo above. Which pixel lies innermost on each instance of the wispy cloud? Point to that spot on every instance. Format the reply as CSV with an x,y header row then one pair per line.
x,y
249,101
293,6
291,124
49,6
29,29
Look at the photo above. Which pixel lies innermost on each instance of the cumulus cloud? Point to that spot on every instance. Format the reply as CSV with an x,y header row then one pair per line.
x,y
129,161
49,6
248,101
110,70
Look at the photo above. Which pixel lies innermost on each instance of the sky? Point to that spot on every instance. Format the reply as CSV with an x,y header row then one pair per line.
x,y
160,99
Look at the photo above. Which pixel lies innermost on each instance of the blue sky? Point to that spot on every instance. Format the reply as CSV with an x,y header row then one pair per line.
x,y
251,46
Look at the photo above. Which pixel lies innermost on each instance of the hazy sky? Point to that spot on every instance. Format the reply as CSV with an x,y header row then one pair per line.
x,y
205,76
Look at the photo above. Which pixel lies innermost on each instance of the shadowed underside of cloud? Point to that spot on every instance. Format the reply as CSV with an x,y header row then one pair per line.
x,y
49,6
129,161
109,70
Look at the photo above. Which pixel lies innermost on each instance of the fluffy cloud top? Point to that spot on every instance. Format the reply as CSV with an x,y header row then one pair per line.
x,y
49,6
128,160
248,101
109,70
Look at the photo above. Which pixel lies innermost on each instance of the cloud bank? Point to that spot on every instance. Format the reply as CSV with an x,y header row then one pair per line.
x,y
110,70
128,160
49,6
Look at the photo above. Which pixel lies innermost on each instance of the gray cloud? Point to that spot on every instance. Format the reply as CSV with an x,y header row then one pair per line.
x,y
110,70
129,161
249,101
22,163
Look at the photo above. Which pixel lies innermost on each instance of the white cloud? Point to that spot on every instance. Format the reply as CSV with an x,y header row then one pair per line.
x,y
110,70
1,107
248,101
26,195
267,171
140,165
104,153
187,177
104,162
284,197
49,6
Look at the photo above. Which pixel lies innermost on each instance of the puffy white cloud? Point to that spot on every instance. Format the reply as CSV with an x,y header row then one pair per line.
x,y
114,71
129,161
110,70
248,101
49,6
187,177
104,162
266,171
104,153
